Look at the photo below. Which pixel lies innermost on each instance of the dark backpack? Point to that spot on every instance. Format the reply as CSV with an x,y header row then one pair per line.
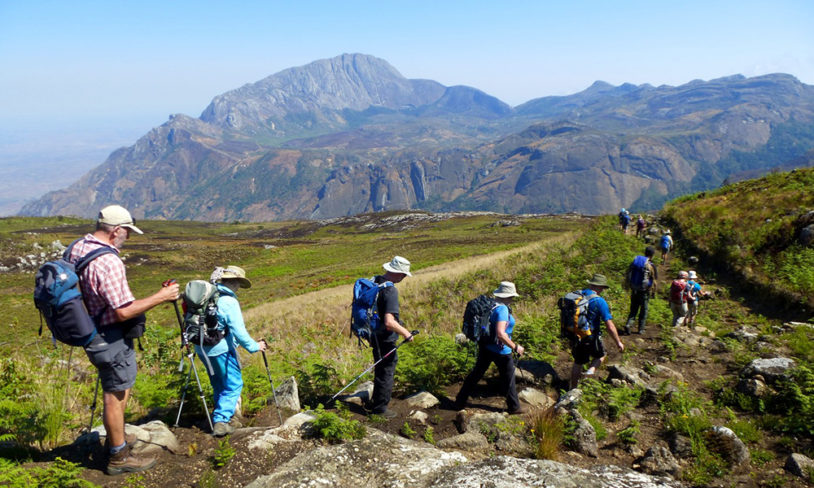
x,y
639,274
574,321
201,314
58,298
476,325
364,318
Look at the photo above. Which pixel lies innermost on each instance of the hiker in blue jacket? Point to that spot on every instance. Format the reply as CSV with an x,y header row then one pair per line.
x,y
502,321
666,244
590,348
226,377
694,294
641,279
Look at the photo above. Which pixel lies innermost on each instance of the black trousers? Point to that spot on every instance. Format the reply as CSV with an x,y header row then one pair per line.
x,y
505,368
639,303
383,375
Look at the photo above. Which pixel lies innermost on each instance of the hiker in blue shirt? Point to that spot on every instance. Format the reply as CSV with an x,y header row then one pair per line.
x,y
500,353
624,220
641,278
694,294
226,377
590,348
666,244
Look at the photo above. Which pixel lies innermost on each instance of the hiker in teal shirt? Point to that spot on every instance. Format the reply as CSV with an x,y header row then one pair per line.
x,y
226,378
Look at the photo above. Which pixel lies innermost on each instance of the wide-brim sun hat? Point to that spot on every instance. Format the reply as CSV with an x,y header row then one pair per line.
x,y
692,275
118,216
506,289
599,280
398,265
683,274
236,273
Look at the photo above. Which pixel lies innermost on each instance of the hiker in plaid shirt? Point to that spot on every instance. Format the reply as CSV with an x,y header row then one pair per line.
x,y
115,311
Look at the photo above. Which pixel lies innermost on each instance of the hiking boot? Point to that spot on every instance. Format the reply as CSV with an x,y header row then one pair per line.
x,y
626,330
520,411
126,462
640,331
235,422
388,414
221,429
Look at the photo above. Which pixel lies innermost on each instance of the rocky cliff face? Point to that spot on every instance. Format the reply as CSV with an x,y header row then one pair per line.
x,y
350,134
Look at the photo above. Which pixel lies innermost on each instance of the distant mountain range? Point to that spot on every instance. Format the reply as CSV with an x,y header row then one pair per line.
x,y
350,134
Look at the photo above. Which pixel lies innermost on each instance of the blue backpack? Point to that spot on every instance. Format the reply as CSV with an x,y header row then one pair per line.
x,y
59,300
639,275
364,319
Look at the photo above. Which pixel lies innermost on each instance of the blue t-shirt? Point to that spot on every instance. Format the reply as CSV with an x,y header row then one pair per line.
x,y
598,310
695,288
501,314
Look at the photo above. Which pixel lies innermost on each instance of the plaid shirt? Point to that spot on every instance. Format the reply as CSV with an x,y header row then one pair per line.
x,y
104,281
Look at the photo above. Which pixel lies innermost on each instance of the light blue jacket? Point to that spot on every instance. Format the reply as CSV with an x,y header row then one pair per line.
x,y
230,317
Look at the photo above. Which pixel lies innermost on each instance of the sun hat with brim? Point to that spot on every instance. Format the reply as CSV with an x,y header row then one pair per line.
x,y
599,280
398,265
116,215
693,276
506,289
683,274
236,273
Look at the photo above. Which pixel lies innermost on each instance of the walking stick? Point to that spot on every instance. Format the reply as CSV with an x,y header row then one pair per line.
x,y
93,405
412,334
268,373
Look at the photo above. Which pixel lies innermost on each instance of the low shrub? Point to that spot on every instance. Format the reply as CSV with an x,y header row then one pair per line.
x,y
338,427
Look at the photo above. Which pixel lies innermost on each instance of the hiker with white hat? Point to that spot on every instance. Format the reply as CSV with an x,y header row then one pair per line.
x,y
384,339
665,244
590,348
678,298
694,294
498,351
112,306
226,377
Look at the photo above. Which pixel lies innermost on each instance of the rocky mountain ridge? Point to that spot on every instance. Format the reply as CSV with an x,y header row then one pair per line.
x,y
350,134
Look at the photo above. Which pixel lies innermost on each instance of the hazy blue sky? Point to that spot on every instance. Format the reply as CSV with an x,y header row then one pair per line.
x,y
69,67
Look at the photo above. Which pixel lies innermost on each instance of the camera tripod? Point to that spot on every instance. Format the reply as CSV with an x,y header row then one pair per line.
x,y
190,355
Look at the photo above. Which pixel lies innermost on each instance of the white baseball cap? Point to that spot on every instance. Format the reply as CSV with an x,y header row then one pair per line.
x,y
116,215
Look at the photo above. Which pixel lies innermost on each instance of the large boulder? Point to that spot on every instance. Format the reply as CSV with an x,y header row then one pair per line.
x,y
800,465
288,396
726,443
771,369
584,435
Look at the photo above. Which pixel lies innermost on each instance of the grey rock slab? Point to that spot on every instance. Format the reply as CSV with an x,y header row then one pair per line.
x,y
800,465
422,400
535,398
771,369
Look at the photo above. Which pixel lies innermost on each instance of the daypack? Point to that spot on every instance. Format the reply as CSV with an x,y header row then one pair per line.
x,y
639,274
476,325
58,298
665,242
678,292
574,321
201,314
364,318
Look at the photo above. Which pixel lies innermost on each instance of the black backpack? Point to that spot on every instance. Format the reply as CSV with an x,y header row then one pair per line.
x,y
476,325
58,298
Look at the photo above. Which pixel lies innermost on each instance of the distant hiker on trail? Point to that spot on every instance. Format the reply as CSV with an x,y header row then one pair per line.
x,y
591,346
641,278
641,224
666,244
226,377
114,310
624,220
384,339
678,298
499,352
694,294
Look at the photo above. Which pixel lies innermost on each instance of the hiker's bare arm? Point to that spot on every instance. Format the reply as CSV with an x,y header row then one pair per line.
x,y
615,334
504,338
391,324
165,294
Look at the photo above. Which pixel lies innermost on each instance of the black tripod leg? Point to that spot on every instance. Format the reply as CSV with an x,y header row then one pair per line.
x,y
184,394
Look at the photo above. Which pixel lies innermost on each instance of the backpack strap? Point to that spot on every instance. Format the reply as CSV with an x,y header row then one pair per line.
x,y
83,263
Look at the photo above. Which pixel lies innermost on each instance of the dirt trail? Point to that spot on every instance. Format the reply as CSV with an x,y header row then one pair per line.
x,y
333,302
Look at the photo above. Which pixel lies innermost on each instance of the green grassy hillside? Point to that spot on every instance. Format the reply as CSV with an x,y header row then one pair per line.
x,y
752,228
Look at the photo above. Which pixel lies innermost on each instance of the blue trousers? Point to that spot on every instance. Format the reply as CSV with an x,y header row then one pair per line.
x,y
227,383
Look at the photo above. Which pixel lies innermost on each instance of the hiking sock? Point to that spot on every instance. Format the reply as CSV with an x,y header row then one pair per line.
x,y
114,450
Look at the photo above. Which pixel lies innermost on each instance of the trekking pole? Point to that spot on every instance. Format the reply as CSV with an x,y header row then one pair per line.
x,y
93,405
412,334
274,393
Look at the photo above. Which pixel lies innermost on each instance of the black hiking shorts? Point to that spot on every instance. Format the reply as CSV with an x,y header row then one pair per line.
x,y
587,348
